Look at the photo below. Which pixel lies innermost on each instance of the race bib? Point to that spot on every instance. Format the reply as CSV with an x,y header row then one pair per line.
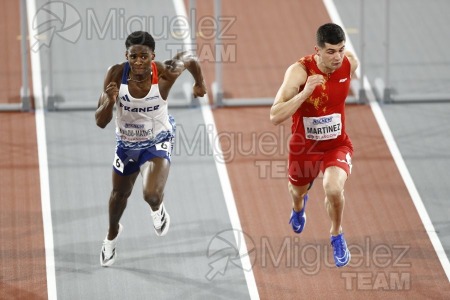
x,y
322,128
165,146
118,164
135,132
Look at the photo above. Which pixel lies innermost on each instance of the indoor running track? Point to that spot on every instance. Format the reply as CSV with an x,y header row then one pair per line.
x,y
392,253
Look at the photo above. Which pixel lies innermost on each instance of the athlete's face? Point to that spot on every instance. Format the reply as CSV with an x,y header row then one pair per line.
x,y
140,58
331,56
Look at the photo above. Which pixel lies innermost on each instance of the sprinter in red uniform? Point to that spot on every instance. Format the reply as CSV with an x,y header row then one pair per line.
x,y
313,93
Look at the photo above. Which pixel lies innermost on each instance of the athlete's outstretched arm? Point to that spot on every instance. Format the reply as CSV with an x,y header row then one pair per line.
x,y
288,99
171,69
104,112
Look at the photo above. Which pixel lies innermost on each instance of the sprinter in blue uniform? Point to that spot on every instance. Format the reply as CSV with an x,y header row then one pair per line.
x,y
145,131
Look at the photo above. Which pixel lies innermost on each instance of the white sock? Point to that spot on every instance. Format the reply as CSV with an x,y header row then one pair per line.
x,y
157,211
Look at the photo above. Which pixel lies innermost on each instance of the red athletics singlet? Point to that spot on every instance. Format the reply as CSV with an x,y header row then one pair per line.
x,y
318,126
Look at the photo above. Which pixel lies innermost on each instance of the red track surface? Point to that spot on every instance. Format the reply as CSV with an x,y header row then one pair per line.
x,y
10,53
392,255
22,252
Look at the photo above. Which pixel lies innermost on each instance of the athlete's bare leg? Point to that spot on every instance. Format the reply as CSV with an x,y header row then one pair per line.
x,y
297,194
333,183
155,173
122,187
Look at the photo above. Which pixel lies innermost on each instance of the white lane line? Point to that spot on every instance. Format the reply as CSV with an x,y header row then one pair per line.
x,y
229,198
395,152
42,155
224,179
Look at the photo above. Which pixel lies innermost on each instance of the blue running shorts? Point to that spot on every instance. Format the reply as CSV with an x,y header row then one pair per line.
x,y
128,161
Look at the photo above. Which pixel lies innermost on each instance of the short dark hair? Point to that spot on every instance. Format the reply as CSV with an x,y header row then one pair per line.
x,y
140,38
329,33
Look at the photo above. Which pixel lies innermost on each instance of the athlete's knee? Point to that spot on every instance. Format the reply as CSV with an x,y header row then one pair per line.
x,y
153,198
119,195
333,192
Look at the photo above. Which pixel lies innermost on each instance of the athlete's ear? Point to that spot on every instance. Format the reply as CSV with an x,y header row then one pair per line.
x,y
317,49
126,54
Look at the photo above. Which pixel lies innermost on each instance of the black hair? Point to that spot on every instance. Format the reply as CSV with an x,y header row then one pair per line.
x,y
329,33
140,38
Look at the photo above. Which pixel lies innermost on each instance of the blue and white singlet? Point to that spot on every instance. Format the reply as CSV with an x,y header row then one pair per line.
x,y
142,122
